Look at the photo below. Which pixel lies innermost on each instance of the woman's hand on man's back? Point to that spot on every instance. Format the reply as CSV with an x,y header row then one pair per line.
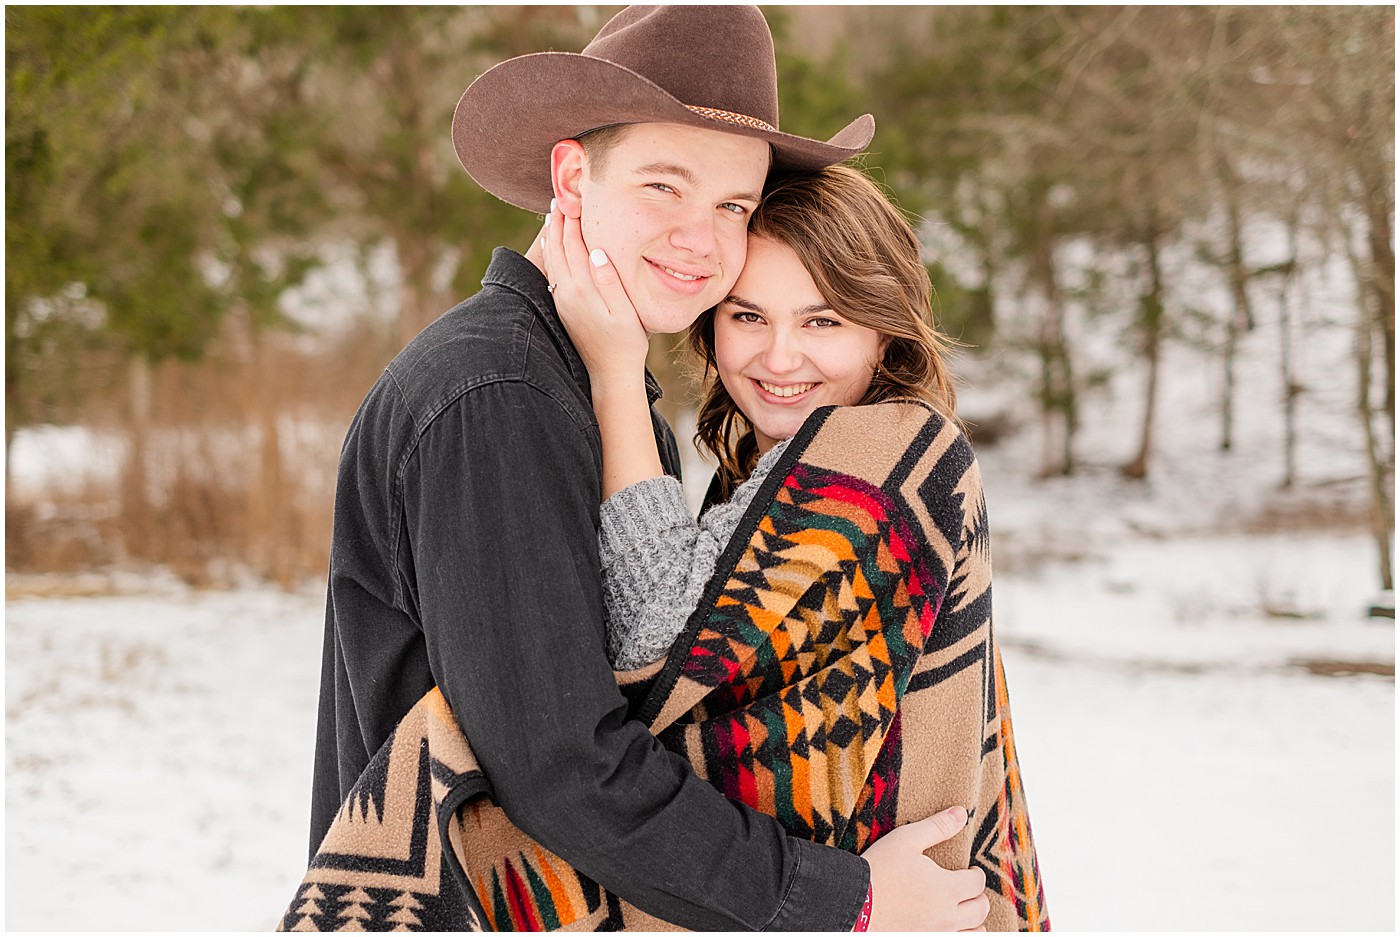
x,y
911,892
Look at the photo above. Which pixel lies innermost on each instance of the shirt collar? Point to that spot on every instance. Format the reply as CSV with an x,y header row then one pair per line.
x,y
515,272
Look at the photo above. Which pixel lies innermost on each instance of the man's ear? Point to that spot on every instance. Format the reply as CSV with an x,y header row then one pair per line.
x,y
568,164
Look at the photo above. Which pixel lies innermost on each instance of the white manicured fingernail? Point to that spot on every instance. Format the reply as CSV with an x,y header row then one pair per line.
x,y
553,204
548,218
599,258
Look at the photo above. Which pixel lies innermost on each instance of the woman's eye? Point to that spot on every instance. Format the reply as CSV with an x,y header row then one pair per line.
x,y
822,322
747,317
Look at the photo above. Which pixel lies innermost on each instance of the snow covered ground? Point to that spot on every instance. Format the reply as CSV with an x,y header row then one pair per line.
x,y
1184,772
1191,773
1189,762
158,757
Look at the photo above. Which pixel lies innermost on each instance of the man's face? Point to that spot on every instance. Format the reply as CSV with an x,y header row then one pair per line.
x,y
671,208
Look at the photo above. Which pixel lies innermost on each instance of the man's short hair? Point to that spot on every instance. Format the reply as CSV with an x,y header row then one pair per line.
x,y
599,142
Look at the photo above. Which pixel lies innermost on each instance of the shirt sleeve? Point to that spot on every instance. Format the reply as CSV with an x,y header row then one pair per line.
x,y
657,561
500,512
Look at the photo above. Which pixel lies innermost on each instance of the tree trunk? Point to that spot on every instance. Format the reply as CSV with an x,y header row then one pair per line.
x,y
988,306
1381,277
1290,391
413,241
1380,464
420,303
1058,404
1151,321
1382,508
271,531
12,416
134,494
1291,388
1242,317
1378,317
1047,411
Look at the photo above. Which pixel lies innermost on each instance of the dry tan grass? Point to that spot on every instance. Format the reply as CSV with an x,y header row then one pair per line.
x,y
1309,512
229,469
1348,668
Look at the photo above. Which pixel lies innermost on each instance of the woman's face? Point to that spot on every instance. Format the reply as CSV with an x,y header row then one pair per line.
x,y
781,351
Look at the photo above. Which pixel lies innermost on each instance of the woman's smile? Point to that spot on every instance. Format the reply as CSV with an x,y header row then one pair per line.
x,y
784,392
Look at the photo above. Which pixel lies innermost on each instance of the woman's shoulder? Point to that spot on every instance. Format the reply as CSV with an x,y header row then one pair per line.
x,y
892,429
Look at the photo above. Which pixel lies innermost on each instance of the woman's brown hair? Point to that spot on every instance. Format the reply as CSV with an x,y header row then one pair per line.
x,y
867,263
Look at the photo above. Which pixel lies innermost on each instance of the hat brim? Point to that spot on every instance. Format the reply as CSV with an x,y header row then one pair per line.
x,y
508,121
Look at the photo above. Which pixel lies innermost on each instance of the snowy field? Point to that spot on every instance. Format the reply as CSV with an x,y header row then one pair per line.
x,y
1183,773
1195,774
1202,744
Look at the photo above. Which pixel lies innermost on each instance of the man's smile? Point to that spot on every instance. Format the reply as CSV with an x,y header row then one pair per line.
x,y
676,273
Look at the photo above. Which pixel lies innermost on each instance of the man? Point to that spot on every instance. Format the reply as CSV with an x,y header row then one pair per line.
x,y
465,552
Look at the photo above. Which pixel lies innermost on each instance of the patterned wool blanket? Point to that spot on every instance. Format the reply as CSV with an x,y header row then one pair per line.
x,y
840,674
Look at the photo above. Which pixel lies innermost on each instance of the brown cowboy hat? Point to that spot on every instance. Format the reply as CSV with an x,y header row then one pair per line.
x,y
701,66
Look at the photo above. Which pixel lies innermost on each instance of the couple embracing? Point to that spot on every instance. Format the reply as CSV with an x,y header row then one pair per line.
x,y
552,700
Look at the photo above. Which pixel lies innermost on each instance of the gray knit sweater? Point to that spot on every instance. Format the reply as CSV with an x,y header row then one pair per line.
x,y
657,560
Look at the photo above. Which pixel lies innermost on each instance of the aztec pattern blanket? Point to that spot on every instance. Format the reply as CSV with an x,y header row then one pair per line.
x,y
840,674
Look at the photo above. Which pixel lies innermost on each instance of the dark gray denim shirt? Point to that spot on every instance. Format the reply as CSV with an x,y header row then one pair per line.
x,y
465,554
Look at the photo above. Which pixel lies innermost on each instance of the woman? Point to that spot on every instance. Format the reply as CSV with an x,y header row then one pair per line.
x,y
833,612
